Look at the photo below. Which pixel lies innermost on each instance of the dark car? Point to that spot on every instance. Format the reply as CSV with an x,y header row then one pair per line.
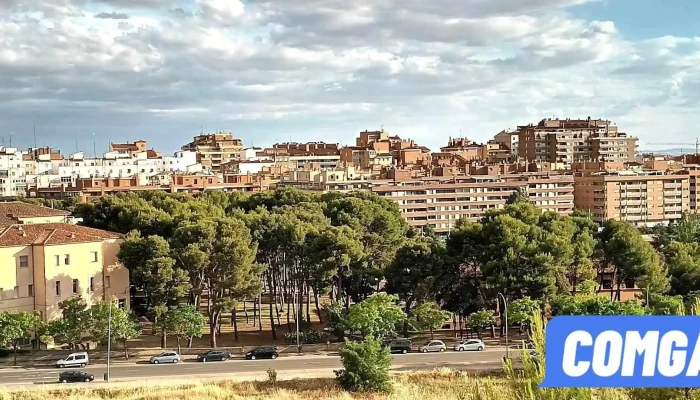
x,y
75,376
269,352
214,355
402,346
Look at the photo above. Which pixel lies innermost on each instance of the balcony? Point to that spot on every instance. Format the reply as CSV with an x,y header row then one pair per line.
x,y
672,193
631,187
632,202
674,209
673,186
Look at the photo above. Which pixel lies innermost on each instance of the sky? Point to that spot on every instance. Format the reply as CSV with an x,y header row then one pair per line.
x,y
88,71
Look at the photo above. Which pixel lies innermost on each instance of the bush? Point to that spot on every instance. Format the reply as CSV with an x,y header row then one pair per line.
x,y
366,367
272,377
307,337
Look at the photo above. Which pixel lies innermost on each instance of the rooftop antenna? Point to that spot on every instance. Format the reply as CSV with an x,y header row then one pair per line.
x,y
11,133
35,135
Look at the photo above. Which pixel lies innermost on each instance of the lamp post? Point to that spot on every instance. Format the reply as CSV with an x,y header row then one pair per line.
x,y
109,338
646,305
297,302
505,320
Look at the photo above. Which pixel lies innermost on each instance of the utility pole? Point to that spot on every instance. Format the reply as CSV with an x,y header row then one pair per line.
x,y
505,320
35,135
109,338
297,302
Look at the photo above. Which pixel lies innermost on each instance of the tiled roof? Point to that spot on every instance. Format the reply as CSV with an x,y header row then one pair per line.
x,y
25,210
52,234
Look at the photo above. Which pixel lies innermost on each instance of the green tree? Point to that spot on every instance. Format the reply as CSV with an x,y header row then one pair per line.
x,y
376,317
521,311
683,260
481,320
184,323
414,273
593,305
666,305
518,196
74,322
429,316
15,327
231,274
365,367
123,324
631,257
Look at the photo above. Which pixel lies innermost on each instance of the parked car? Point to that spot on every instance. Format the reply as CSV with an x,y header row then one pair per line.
x,y
400,345
166,357
261,352
214,355
432,345
470,345
74,360
75,376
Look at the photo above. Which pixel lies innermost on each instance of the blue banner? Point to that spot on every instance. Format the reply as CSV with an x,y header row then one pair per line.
x,y
622,351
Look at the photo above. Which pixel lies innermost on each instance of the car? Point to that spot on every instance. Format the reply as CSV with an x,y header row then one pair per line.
x,y
74,360
400,345
214,355
432,346
470,345
261,352
75,376
166,357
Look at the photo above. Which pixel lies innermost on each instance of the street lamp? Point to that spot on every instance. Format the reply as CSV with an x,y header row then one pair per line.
x,y
109,337
505,320
296,312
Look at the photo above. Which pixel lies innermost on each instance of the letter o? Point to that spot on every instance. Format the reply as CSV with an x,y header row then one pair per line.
x,y
614,356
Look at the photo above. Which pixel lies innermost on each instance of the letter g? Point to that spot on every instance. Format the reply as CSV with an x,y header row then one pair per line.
x,y
569,365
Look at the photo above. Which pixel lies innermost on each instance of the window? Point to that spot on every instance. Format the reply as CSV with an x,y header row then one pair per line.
x,y
58,260
30,290
92,283
75,286
58,288
108,281
66,259
23,261
94,256
122,303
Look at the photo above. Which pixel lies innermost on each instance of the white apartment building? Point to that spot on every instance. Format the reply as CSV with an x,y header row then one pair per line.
x,y
47,171
13,171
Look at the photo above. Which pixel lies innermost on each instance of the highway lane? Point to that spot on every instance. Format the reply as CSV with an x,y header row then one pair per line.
x,y
488,358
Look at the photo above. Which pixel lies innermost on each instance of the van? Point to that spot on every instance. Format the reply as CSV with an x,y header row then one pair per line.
x,y
74,360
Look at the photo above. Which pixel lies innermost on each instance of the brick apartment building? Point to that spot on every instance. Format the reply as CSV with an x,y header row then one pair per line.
x,y
215,149
645,196
575,140
440,202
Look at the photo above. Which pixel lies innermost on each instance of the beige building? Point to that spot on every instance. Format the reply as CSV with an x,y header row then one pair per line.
x,y
341,179
47,261
440,202
215,149
641,196
571,140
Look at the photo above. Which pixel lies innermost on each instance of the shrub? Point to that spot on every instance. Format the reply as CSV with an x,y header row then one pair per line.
x,y
306,337
366,367
272,377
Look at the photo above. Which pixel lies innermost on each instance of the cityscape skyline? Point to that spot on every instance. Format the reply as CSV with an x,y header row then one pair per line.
x,y
268,71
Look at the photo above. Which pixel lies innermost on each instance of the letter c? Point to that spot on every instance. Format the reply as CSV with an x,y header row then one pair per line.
x,y
569,365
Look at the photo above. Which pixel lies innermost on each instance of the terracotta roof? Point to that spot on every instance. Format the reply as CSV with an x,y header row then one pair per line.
x,y
152,154
124,146
52,234
26,210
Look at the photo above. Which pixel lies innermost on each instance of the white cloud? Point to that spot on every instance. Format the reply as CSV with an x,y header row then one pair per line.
x,y
325,69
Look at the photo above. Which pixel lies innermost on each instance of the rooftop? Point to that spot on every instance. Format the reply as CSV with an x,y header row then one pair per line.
x,y
52,234
10,211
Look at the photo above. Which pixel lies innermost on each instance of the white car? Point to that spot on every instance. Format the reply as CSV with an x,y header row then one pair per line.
x,y
74,360
166,357
432,345
470,345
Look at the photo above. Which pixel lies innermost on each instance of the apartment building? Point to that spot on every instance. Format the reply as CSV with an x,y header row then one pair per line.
x,y
13,171
440,202
341,179
575,140
641,196
166,182
46,261
215,149
508,139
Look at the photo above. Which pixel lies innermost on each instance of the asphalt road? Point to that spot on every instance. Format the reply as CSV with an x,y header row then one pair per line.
x,y
487,359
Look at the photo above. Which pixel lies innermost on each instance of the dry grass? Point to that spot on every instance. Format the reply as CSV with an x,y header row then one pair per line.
x,y
441,384
437,385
